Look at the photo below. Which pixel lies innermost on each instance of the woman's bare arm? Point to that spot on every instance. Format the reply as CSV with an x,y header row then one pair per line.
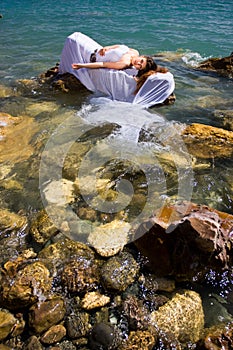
x,y
94,65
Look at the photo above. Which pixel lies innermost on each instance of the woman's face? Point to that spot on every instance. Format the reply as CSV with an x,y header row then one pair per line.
x,y
139,62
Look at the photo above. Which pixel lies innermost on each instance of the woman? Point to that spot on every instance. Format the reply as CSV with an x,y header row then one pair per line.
x,y
118,57
119,83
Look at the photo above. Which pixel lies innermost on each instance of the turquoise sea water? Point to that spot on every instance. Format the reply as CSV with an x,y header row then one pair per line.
x,y
33,32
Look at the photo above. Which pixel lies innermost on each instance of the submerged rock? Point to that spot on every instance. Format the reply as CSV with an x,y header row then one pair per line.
x,y
54,334
225,116
104,336
118,272
218,338
139,340
24,285
80,275
78,325
182,316
42,228
15,131
7,323
110,238
44,315
93,300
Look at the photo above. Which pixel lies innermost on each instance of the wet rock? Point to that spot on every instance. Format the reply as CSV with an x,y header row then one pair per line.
x,y
104,337
186,240
78,325
42,228
221,66
59,192
32,343
87,214
65,345
5,347
5,91
139,340
54,334
205,141
13,234
64,82
93,300
15,131
136,313
44,315
80,275
24,285
225,117
118,272
11,222
58,254
218,338
7,323
182,316
110,238
151,283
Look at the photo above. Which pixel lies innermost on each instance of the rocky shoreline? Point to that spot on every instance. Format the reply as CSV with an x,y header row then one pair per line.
x,y
65,295
60,294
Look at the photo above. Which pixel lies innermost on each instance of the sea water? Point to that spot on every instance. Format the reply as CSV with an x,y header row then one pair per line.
x,y
33,32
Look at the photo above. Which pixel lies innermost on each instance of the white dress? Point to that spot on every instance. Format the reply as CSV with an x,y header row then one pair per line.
x,y
116,84
112,55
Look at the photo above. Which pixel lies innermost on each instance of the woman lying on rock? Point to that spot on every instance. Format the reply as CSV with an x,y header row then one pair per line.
x,y
126,76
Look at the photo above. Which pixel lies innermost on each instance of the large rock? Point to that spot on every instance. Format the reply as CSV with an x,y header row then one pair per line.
x,y
182,316
205,141
24,285
225,117
44,315
15,131
221,66
186,239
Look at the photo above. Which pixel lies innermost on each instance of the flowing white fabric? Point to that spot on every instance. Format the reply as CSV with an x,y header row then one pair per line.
x,y
115,84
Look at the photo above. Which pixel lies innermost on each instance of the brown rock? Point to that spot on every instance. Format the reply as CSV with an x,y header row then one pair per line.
x,y
15,131
225,116
78,325
93,300
23,287
80,275
44,315
7,323
205,141
65,250
217,338
221,66
139,340
42,228
186,239
54,334
136,313
182,316
119,272
33,343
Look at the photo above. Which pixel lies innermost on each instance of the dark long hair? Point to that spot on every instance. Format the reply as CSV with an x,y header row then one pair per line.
x,y
145,75
150,65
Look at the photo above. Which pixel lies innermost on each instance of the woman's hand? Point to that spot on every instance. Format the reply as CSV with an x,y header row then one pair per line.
x,y
75,66
102,51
